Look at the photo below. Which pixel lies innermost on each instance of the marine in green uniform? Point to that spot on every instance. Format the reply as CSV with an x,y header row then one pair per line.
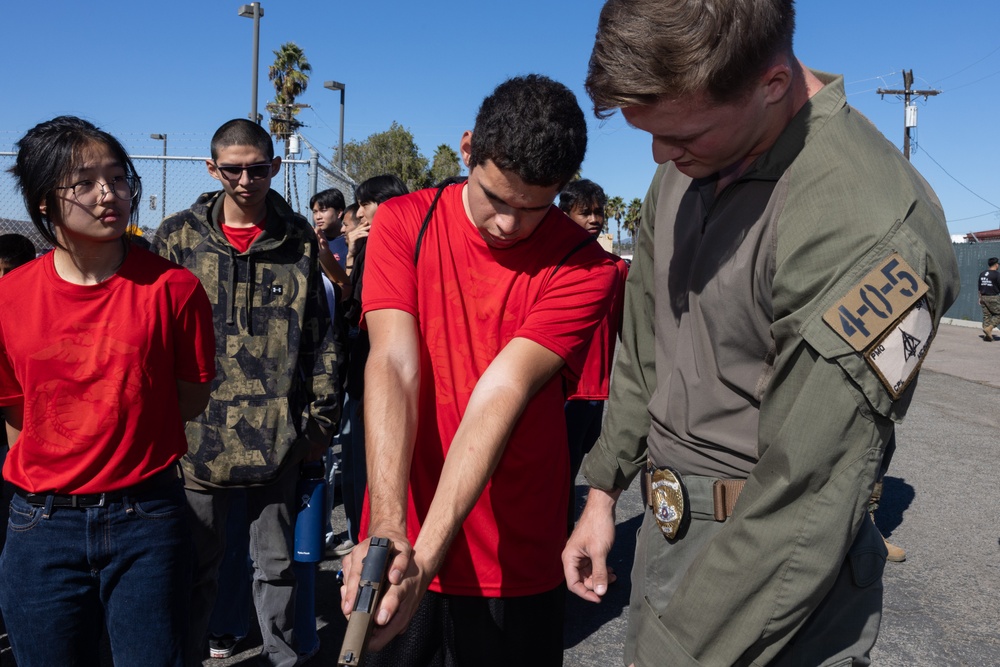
x,y
791,271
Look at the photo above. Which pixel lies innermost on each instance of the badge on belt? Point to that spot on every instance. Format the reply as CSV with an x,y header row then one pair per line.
x,y
667,501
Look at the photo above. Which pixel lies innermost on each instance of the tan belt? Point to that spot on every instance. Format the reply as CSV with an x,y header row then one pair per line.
x,y
724,493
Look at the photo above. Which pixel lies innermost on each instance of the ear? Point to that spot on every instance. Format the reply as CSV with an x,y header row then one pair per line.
x,y
275,166
212,170
43,209
776,81
465,147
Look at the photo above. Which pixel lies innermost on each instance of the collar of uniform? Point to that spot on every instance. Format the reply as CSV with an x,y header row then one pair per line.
x,y
810,119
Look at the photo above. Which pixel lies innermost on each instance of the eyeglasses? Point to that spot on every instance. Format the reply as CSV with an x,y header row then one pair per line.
x,y
89,193
254,172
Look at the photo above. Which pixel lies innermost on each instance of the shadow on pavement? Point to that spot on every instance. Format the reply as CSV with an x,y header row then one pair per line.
x,y
897,496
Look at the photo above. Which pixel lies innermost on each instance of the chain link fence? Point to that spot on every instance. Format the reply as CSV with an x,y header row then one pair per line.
x,y
172,183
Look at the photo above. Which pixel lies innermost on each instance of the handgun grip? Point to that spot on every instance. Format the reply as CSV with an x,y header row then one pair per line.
x,y
374,570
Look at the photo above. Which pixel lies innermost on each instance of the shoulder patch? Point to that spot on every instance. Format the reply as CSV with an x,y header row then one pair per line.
x,y
875,304
896,356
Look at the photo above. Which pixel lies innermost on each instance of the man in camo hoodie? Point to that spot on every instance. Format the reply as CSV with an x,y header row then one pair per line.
x,y
275,401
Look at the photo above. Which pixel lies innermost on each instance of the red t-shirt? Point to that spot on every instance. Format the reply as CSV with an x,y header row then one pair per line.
x,y
595,380
96,368
469,301
242,238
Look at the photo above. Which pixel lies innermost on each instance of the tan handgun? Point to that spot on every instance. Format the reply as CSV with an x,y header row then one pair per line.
x,y
374,572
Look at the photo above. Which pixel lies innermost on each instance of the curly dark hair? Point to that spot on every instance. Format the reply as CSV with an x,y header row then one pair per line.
x,y
532,126
581,193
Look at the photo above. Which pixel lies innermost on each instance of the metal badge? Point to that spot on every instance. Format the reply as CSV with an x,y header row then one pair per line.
x,y
667,498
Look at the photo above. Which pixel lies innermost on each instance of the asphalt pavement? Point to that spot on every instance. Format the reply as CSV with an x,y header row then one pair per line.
x,y
941,606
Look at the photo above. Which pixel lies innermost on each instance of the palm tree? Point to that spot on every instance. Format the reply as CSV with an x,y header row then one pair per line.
x,y
290,75
615,208
633,216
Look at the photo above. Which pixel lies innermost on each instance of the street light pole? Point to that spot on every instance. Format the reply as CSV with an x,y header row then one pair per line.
x,y
256,12
163,196
336,85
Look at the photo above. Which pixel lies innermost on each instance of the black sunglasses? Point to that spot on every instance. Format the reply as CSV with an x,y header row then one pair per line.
x,y
235,172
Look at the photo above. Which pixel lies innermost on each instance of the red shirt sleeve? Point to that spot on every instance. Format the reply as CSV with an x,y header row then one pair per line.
x,y
194,336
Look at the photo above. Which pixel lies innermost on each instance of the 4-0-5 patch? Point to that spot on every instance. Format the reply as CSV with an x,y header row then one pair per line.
x,y
887,318
876,303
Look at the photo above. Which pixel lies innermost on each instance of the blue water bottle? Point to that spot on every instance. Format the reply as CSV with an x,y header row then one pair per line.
x,y
311,489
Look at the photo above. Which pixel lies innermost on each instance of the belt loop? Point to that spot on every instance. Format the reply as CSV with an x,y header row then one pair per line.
x,y
47,511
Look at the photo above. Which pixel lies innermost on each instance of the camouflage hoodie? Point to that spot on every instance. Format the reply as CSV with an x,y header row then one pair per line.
x,y
277,387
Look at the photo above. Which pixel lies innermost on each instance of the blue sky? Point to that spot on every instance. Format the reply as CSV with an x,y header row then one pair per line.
x,y
183,67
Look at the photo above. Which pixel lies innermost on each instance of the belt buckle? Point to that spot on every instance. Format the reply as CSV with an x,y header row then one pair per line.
x,y
667,500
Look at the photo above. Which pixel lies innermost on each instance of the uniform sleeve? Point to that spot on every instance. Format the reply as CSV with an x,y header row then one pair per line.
x,y
824,423
620,452
194,337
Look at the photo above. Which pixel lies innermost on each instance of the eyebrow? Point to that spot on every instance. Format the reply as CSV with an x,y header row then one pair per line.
x,y
492,195
680,138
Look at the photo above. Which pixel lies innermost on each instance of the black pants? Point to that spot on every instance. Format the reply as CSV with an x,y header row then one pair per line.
x,y
463,631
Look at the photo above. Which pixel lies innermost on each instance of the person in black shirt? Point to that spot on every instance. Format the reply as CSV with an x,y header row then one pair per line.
x,y
989,297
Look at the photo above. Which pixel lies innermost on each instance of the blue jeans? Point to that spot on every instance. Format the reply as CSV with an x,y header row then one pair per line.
x,y
231,612
65,572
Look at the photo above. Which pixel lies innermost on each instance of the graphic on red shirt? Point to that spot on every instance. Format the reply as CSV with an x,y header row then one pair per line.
x,y
73,410
96,369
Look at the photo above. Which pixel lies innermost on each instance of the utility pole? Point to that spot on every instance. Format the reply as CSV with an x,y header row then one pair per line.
x,y
910,110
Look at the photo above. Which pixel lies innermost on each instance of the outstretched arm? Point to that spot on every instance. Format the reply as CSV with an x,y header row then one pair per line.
x,y
495,406
392,381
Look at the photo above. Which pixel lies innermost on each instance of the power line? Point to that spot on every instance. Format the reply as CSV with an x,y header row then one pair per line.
x,y
972,83
958,181
971,65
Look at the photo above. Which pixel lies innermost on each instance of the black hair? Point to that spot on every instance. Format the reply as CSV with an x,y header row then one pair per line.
x,y
48,153
331,198
581,192
378,189
16,249
532,126
992,260
242,132
352,209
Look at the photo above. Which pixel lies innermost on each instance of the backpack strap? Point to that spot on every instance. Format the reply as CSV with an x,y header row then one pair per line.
x,y
430,213
579,246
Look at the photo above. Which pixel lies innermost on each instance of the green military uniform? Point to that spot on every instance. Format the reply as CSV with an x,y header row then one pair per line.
x,y
772,332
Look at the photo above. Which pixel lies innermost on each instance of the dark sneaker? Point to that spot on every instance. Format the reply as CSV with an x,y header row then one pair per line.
x,y
222,646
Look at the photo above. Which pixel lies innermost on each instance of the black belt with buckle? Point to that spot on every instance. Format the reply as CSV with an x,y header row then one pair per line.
x,y
157,482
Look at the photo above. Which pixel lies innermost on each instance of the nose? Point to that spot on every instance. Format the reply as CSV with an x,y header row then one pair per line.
x,y
106,189
507,223
244,178
664,152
